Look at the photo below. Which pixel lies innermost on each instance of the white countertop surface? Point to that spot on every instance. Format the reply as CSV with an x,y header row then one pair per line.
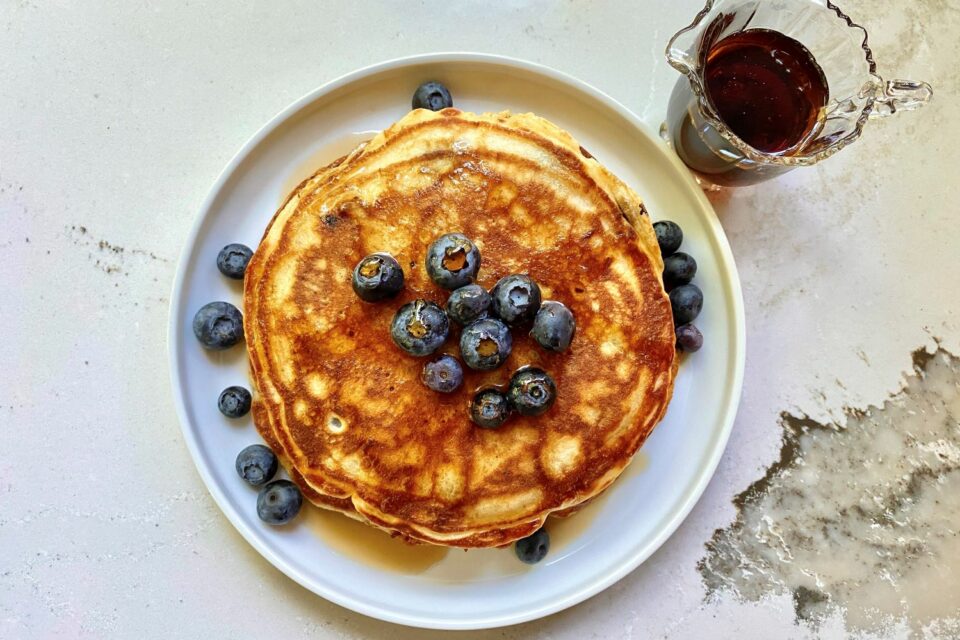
x,y
116,117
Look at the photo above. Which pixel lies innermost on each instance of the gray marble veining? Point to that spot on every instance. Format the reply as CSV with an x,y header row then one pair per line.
x,y
860,516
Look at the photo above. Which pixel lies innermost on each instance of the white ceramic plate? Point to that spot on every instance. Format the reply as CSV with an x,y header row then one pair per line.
x,y
358,567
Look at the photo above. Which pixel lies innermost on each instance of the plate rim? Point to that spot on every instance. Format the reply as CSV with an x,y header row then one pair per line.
x,y
704,474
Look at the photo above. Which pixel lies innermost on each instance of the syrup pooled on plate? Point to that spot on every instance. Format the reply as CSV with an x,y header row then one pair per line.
x,y
766,87
370,546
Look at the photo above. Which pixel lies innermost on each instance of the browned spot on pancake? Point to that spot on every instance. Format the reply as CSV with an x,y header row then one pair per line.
x,y
500,195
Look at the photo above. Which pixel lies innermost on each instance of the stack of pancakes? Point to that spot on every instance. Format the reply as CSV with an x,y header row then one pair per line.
x,y
345,409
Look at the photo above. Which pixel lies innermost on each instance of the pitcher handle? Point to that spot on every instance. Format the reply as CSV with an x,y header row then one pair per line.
x,y
901,95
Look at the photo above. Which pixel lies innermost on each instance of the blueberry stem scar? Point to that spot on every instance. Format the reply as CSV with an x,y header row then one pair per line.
x,y
417,329
370,268
455,259
487,347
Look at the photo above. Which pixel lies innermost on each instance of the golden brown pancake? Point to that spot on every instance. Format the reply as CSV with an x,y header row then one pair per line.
x,y
345,408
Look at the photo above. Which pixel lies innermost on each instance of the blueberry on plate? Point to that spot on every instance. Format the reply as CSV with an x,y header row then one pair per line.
x,y
218,325
452,261
232,260
532,391
485,344
279,502
256,464
234,402
468,303
516,299
443,374
553,326
686,301
534,547
377,277
489,409
678,269
433,96
420,327
689,338
669,236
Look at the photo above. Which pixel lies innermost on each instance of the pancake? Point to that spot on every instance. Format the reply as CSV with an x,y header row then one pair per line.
x,y
345,409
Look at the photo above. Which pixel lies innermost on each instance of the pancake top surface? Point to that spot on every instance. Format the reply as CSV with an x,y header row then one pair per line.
x,y
348,407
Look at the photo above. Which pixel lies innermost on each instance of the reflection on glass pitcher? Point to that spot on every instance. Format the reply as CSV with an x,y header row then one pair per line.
x,y
770,85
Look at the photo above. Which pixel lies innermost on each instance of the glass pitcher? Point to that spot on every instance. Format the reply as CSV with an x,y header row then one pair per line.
x,y
854,90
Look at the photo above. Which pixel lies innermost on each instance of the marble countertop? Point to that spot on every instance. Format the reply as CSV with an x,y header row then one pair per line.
x,y
835,510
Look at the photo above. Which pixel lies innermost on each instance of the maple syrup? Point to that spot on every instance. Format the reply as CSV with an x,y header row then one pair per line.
x,y
377,549
567,530
764,86
371,546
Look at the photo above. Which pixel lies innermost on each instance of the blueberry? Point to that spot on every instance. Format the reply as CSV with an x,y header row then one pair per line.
x,y
516,299
489,409
689,338
532,391
256,464
420,327
279,502
377,277
534,547
468,303
686,301
443,374
452,261
485,344
218,325
553,326
669,236
232,260
678,269
234,402
433,96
